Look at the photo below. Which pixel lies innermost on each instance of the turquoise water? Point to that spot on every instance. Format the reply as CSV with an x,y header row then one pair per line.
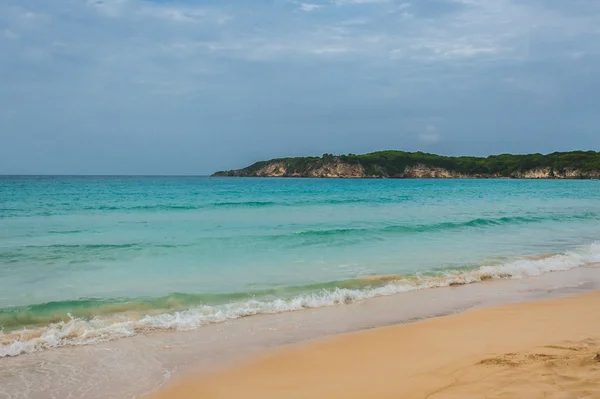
x,y
94,258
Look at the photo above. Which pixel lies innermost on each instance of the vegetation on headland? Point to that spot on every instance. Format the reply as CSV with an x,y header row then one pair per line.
x,y
399,164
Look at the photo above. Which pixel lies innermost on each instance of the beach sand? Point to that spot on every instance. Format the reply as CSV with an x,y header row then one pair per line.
x,y
544,349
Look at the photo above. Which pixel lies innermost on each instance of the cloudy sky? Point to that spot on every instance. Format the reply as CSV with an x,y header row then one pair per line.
x,y
192,86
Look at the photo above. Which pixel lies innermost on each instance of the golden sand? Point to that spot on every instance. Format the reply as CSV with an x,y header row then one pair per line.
x,y
533,350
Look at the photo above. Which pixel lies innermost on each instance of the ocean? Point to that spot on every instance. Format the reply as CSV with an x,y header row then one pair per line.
x,y
85,260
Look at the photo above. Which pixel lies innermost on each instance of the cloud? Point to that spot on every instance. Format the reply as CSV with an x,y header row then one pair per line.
x,y
310,77
344,2
10,35
576,54
308,7
182,15
330,50
110,8
429,136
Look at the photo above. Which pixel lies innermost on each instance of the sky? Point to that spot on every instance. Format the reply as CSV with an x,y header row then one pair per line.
x,y
191,87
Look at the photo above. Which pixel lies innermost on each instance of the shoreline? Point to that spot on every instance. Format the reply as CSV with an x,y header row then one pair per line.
x,y
133,317
216,176
542,349
143,364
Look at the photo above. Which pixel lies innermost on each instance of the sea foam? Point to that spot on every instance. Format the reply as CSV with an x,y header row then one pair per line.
x,y
77,331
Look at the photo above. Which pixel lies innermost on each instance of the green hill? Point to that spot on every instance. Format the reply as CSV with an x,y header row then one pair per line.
x,y
401,164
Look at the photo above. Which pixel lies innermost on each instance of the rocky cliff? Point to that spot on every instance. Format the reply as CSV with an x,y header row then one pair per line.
x,y
549,173
397,164
280,169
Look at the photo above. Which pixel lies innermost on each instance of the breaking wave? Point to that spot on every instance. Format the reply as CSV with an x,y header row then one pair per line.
x,y
126,318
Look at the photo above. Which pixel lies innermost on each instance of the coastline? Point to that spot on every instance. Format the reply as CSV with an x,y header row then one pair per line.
x,y
411,165
132,317
217,176
543,349
144,364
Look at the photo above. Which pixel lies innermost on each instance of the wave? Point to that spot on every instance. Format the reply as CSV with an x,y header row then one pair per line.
x,y
168,207
81,331
66,232
328,236
20,212
87,308
436,227
248,204
42,252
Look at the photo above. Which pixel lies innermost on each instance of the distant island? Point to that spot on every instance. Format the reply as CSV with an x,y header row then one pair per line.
x,y
401,164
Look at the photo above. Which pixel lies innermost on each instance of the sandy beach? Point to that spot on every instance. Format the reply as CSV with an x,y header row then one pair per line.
x,y
271,355
545,349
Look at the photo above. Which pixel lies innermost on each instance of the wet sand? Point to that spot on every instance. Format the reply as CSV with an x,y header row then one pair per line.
x,y
132,367
544,349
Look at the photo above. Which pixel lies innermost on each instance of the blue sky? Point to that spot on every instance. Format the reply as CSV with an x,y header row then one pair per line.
x,y
189,87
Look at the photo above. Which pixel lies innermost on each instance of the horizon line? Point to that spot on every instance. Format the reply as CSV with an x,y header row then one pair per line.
x,y
102,175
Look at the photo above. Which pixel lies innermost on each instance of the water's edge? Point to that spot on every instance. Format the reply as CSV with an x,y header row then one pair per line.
x,y
133,367
89,321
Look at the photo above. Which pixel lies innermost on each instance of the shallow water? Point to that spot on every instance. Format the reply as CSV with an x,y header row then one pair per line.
x,y
130,368
89,259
